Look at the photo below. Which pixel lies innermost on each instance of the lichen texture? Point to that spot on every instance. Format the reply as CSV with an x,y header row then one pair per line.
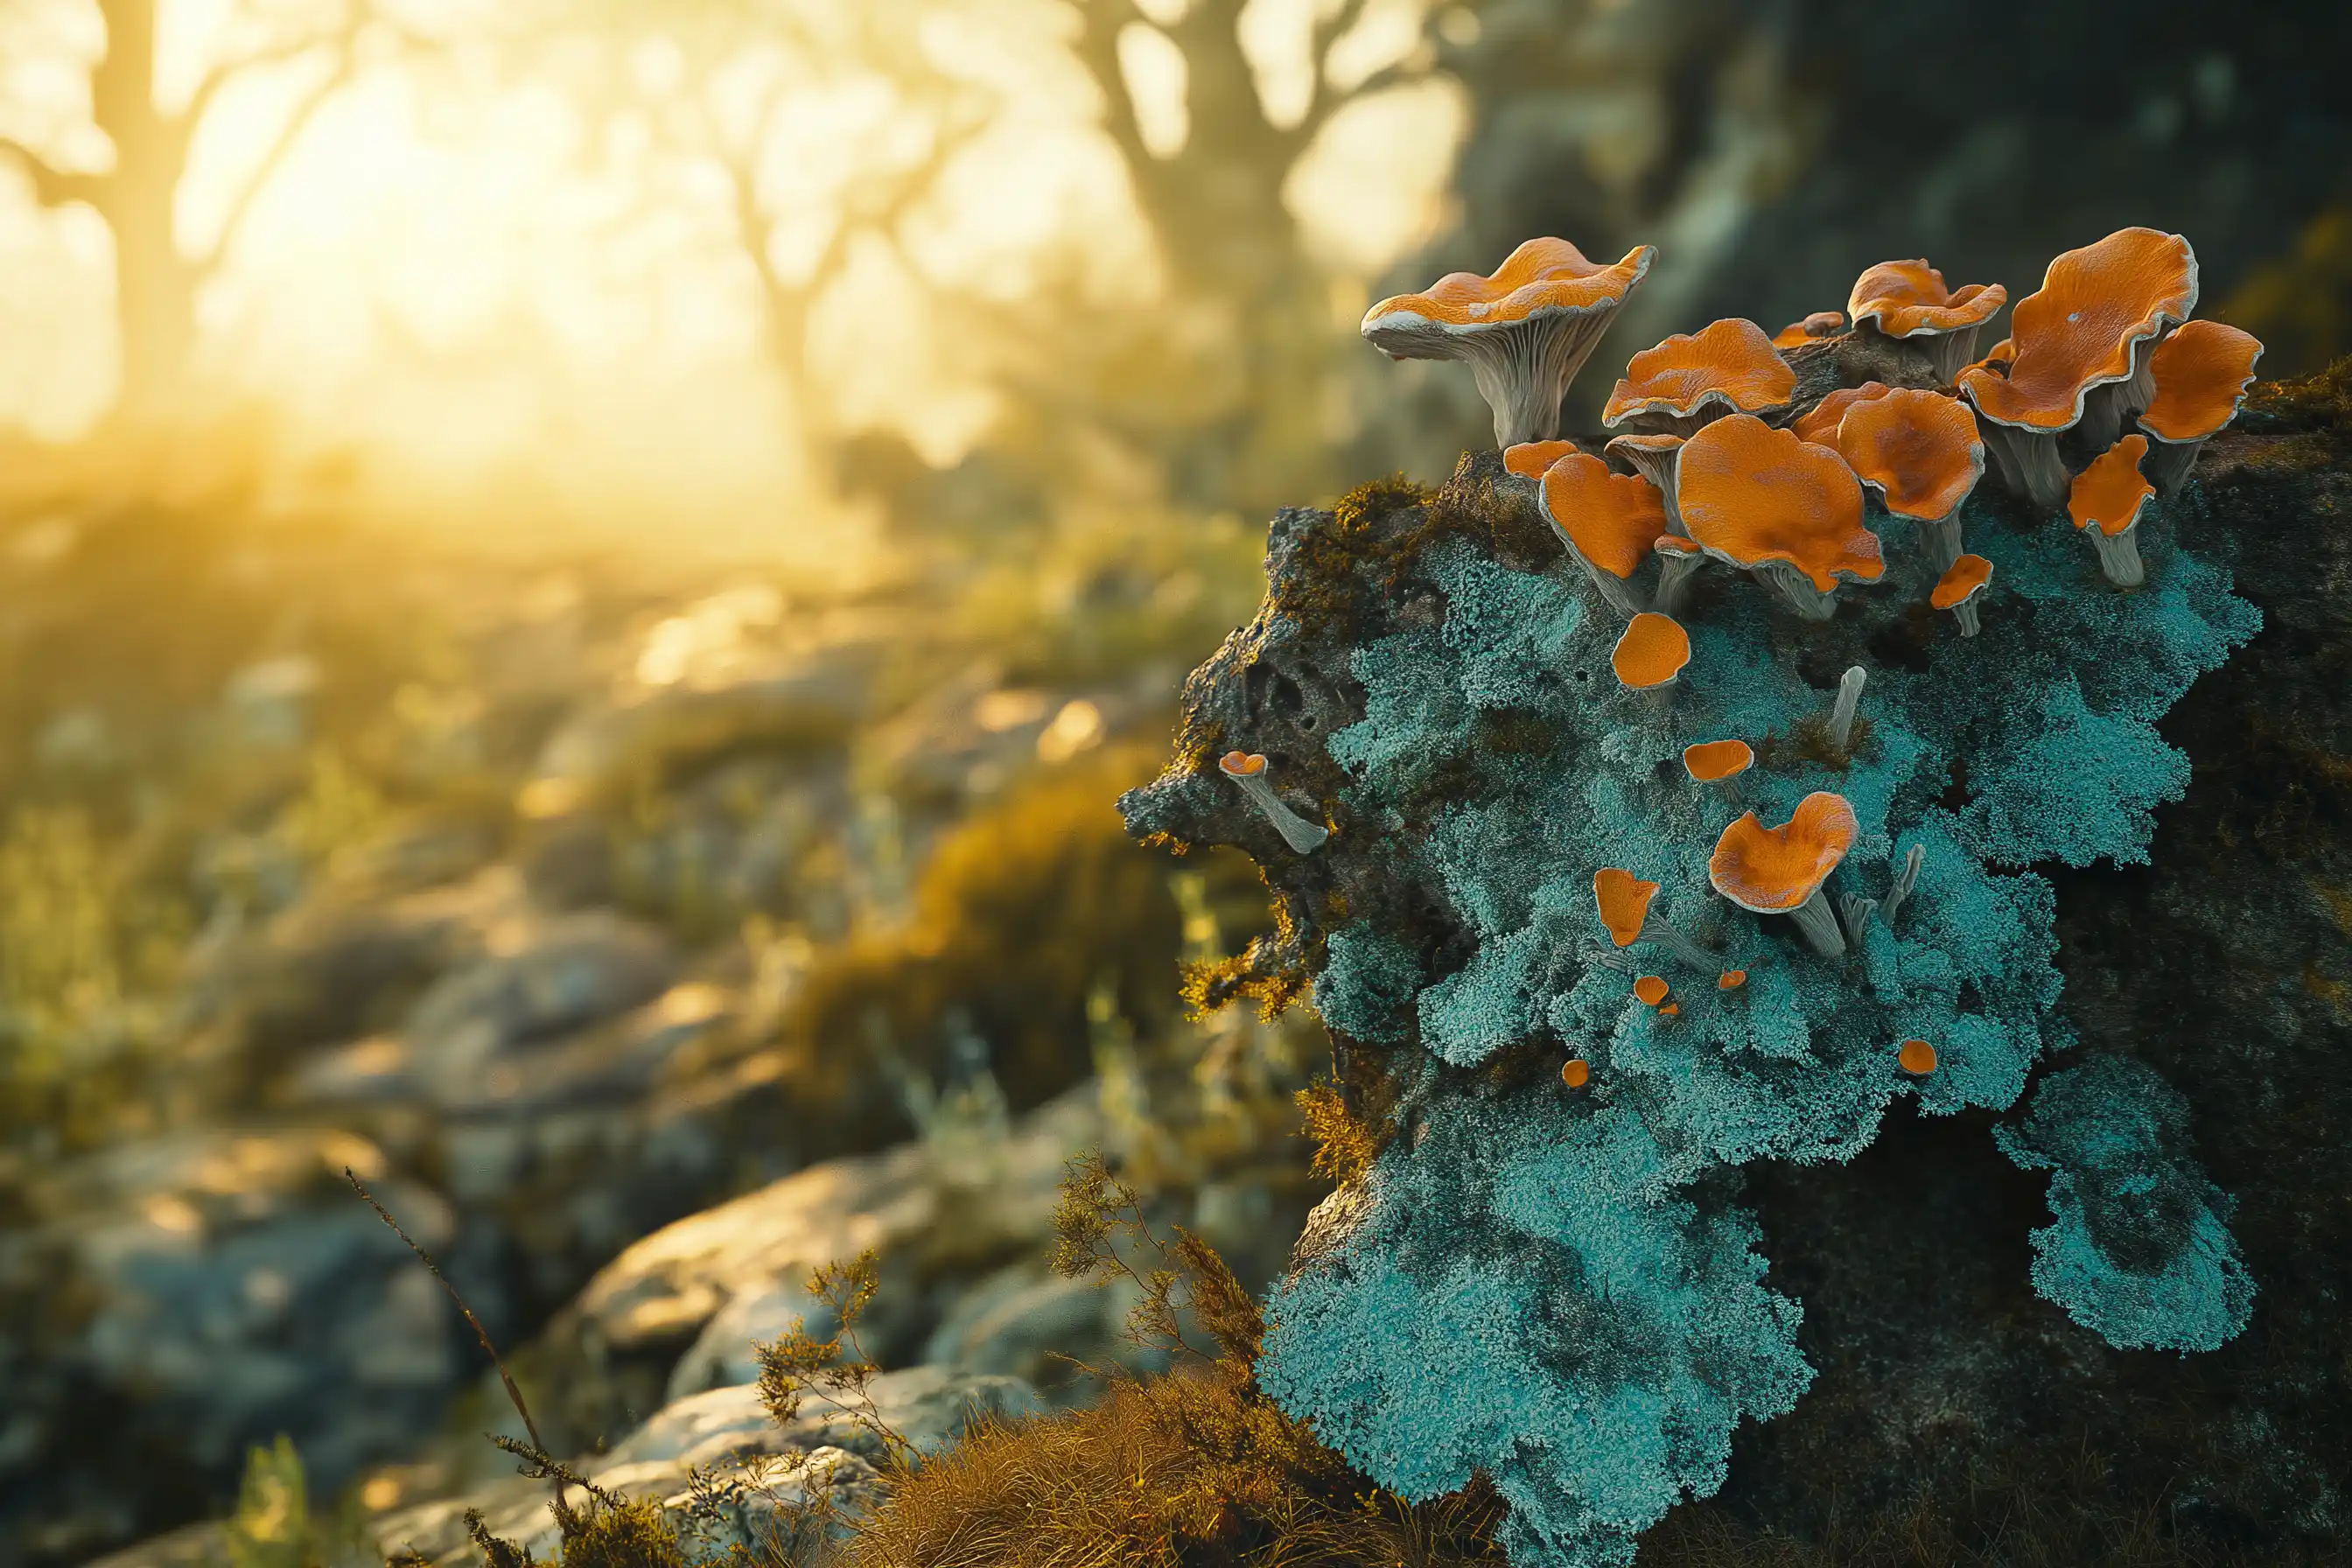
x,y
1550,1279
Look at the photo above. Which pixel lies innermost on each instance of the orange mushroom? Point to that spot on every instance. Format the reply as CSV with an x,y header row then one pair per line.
x,y
1907,299
1670,1010
1528,459
1920,451
1781,507
1820,423
1732,980
1575,1072
1651,989
1730,367
1526,328
1712,762
1607,521
2082,343
1958,589
1624,902
1653,457
2200,372
1782,870
1651,652
2106,504
1917,1057
1812,329
1247,769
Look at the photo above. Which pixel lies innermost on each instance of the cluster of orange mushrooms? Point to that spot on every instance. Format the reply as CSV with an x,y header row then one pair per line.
x,y
1711,463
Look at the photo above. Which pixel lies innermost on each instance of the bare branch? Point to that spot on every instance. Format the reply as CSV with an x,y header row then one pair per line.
x,y
218,78
282,149
52,187
1100,23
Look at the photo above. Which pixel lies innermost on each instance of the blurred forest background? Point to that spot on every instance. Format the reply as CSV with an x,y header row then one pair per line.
x,y
577,577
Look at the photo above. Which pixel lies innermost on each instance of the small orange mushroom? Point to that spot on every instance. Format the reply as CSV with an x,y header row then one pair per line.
x,y
1528,459
1820,423
1247,769
1917,1057
1907,299
1920,451
1690,380
1624,902
1527,328
1779,507
1651,989
1575,1072
1732,980
1670,1010
1781,871
1651,651
1812,329
1958,589
2082,345
1709,761
1241,764
2106,504
1607,521
2200,372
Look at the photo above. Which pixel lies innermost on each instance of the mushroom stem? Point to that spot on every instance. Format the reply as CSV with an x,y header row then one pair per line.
x,y
1609,958
2028,462
1613,588
1950,352
1795,589
1674,582
1943,537
1819,923
1656,929
2168,463
1849,699
1523,370
1302,836
1905,880
2119,558
1853,913
1965,612
2108,408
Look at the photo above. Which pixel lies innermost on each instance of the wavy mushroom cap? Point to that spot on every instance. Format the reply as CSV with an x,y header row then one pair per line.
x,y
1652,652
1773,870
2111,493
1241,764
1528,459
1731,980
2082,327
2202,374
1819,324
1749,494
1624,900
1651,989
1908,299
1917,1057
1542,274
1919,450
1575,1072
1611,518
1963,581
1730,362
1711,760
1820,423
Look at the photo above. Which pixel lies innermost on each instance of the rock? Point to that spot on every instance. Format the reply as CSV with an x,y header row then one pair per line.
x,y
1022,1320
574,972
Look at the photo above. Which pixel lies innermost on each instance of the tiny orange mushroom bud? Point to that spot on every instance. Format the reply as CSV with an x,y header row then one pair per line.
x,y
1607,521
1651,653
1624,902
2106,504
1528,459
1690,380
1732,980
1670,1010
2082,343
1782,508
1917,1057
1575,1072
1958,589
1781,871
1812,329
1820,423
1526,328
1651,989
1920,451
1711,761
1908,300
1241,764
2201,373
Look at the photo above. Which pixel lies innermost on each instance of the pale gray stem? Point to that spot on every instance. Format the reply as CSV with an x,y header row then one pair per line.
x,y
1656,929
1613,588
2029,464
1795,589
1302,836
1621,963
1674,574
1951,352
1905,880
1853,913
1943,537
1849,699
1523,370
2119,558
2168,463
1965,612
1819,924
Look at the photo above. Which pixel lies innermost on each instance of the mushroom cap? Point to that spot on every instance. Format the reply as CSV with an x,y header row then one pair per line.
x,y
1240,764
1670,1010
2202,374
1542,276
1611,518
1731,363
1711,760
1820,423
1919,450
1622,450
1749,494
1731,980
1528,459
1624,900
1651,989
1575,1072
2081,328
1907,299
1917,1057
1963,581
1819,324
1772,870
1652,652
2112,492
